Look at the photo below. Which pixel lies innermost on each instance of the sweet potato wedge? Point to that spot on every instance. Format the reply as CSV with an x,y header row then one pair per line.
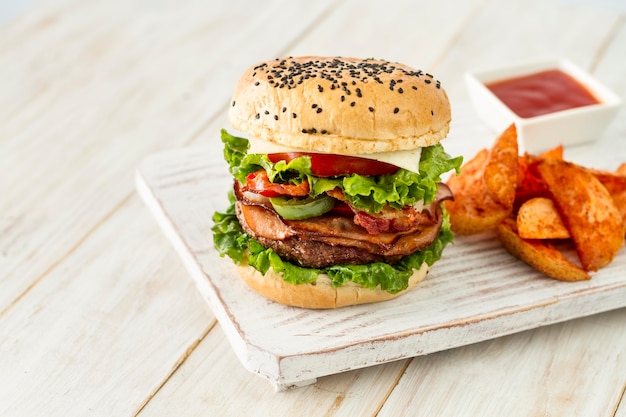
x,y
588,211
500,173
537,218
614,182
619,195
539,254
554,153
473,210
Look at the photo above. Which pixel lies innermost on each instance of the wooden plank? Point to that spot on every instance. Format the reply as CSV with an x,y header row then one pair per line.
x,y
621,407
570,369
89,88
505,33
207,382
105,329
416,33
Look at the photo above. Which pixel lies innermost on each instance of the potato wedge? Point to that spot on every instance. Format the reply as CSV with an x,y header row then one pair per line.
x,y
473,210
530,184
619,196
500,174
614,182
537,218
529,181
555,153
539,254
588,211
620,203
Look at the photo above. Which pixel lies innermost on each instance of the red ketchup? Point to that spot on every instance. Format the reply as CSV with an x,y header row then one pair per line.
x,y
541,93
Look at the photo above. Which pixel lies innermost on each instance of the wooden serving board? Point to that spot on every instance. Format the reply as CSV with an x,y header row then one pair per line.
x,y
477,291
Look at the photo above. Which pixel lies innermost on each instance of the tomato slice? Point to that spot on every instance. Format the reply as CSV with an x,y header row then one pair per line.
x,y
332,165
258,182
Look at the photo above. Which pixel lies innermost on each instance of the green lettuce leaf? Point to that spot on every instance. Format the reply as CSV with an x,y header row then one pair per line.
x,y
230,240
367,193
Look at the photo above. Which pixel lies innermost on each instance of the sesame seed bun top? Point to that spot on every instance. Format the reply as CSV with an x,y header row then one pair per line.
x,y
340,105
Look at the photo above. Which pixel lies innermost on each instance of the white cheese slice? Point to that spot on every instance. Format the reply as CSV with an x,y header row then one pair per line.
x,y
408,160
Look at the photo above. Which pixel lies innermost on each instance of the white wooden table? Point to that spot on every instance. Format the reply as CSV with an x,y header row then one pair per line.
x,y
98,314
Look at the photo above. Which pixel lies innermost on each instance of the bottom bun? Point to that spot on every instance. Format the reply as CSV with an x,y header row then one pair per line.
x,y
319,294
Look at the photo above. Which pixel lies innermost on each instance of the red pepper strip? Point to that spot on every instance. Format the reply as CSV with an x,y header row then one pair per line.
x,y
258,182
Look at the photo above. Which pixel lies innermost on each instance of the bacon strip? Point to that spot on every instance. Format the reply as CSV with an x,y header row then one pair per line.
x,y
258,182
391,220
334,230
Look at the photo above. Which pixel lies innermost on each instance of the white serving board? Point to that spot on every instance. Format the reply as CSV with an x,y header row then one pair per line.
x,y
477,291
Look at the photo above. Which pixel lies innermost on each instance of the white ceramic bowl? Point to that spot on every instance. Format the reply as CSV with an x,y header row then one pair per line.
x,y
539,133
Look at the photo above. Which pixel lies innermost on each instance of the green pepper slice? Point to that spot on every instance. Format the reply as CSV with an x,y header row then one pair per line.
x,y
299,209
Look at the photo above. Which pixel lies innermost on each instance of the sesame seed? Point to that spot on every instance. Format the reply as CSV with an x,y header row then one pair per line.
x,y
233,103
257,116
339,74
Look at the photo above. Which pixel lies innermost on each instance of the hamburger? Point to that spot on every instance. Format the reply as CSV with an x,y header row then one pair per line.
x,y
337,184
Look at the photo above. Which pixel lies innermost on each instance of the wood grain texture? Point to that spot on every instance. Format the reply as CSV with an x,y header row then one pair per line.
x,y
89,88
116,317
98,315
621,406
195,384
417,33
503,33
515,376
